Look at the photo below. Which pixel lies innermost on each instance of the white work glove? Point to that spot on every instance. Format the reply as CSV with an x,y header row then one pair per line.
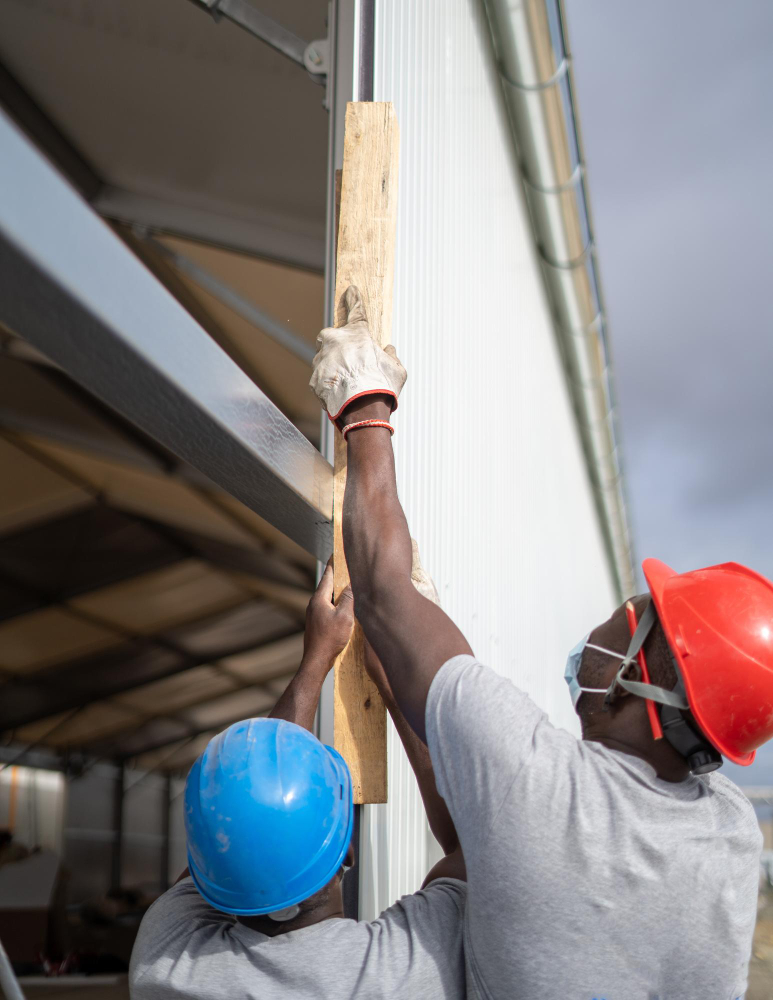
x,y
420,578
349,362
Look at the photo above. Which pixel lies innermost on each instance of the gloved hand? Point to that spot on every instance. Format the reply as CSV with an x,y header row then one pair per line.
x,y
420,578
349,363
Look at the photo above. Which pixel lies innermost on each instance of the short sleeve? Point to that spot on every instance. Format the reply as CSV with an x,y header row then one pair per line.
x,y
417,944
440,903
481,730
180,920
182,905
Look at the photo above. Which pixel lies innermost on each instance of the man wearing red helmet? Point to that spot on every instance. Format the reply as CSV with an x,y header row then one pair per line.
x,y
615,866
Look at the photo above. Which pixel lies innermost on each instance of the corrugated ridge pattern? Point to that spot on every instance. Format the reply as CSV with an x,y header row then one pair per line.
x,y
490,465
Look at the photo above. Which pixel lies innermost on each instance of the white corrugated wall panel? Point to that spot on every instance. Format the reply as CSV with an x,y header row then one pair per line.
x,y
490,467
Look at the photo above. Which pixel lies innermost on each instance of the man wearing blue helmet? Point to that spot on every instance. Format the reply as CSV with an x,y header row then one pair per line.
x,y
268,815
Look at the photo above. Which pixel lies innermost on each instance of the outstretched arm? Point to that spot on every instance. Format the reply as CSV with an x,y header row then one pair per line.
x,y
412,636
328,627
356,380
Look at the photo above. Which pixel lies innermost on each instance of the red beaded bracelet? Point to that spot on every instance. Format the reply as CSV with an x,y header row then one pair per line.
x,y
367,423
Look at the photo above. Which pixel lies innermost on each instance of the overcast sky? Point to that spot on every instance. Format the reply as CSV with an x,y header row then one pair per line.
x,y
676,106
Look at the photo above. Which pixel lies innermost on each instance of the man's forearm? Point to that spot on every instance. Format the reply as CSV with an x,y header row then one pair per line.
x,y
299,702
378,554
412,636
376,536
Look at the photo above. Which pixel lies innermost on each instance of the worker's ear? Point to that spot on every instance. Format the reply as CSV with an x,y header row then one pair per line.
x,y
350,858
631,673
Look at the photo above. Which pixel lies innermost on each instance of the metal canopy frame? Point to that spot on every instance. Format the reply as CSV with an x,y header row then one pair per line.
x,y
270,325
36,562
70,287
98,677
312,57
300,245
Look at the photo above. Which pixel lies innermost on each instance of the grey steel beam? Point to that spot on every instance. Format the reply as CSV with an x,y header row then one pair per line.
x,y
72,288
15,100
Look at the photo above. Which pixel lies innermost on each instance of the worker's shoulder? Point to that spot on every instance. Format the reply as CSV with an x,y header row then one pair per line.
x,y
181,906
443,899
466,681
732,797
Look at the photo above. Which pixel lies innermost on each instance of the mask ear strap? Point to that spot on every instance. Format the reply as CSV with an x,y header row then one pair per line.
x,y
674,698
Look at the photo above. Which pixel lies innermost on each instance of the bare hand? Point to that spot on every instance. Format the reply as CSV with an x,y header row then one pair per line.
x,y
328,625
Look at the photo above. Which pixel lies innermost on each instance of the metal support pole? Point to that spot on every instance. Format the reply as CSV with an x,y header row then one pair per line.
x,y
8,981
166,827
116,860
351,886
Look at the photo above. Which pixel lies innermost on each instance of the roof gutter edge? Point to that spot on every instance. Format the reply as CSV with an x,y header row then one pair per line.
x,y
535,68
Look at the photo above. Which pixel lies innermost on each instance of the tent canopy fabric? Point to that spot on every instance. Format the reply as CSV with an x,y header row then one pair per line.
x,y
142,609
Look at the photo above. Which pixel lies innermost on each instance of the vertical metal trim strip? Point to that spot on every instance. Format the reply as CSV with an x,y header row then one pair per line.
x,y
367,29
344,20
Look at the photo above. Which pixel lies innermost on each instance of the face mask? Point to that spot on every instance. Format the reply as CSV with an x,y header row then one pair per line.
x,y
572,670
282,916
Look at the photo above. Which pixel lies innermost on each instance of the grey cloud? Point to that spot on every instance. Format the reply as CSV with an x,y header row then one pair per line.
x,y
677,115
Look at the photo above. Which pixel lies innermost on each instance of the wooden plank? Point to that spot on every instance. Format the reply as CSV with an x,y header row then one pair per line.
x,y
365,258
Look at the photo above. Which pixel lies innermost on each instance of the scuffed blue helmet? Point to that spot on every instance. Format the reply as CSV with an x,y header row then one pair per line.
x,y
268,816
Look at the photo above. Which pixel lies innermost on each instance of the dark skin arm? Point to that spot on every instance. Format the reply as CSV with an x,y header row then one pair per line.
x,y
412,637
328,627
440,822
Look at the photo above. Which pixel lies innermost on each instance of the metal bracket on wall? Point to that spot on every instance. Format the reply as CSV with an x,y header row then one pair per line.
x,y
314,56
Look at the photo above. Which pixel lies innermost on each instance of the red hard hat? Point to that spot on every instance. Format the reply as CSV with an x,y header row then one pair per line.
x,y
719,625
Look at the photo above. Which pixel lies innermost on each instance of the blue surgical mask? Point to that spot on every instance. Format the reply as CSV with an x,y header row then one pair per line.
x,y
572,670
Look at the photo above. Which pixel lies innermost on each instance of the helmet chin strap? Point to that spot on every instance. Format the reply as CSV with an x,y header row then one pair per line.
x,y
701,756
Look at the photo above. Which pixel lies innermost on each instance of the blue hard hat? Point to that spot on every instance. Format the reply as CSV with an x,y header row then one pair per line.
x,y
268,816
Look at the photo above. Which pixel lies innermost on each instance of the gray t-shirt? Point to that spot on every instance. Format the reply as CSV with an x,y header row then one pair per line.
x,y
186,949
589,877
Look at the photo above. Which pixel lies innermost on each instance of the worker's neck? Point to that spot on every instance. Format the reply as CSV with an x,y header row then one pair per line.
x,y
634,737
